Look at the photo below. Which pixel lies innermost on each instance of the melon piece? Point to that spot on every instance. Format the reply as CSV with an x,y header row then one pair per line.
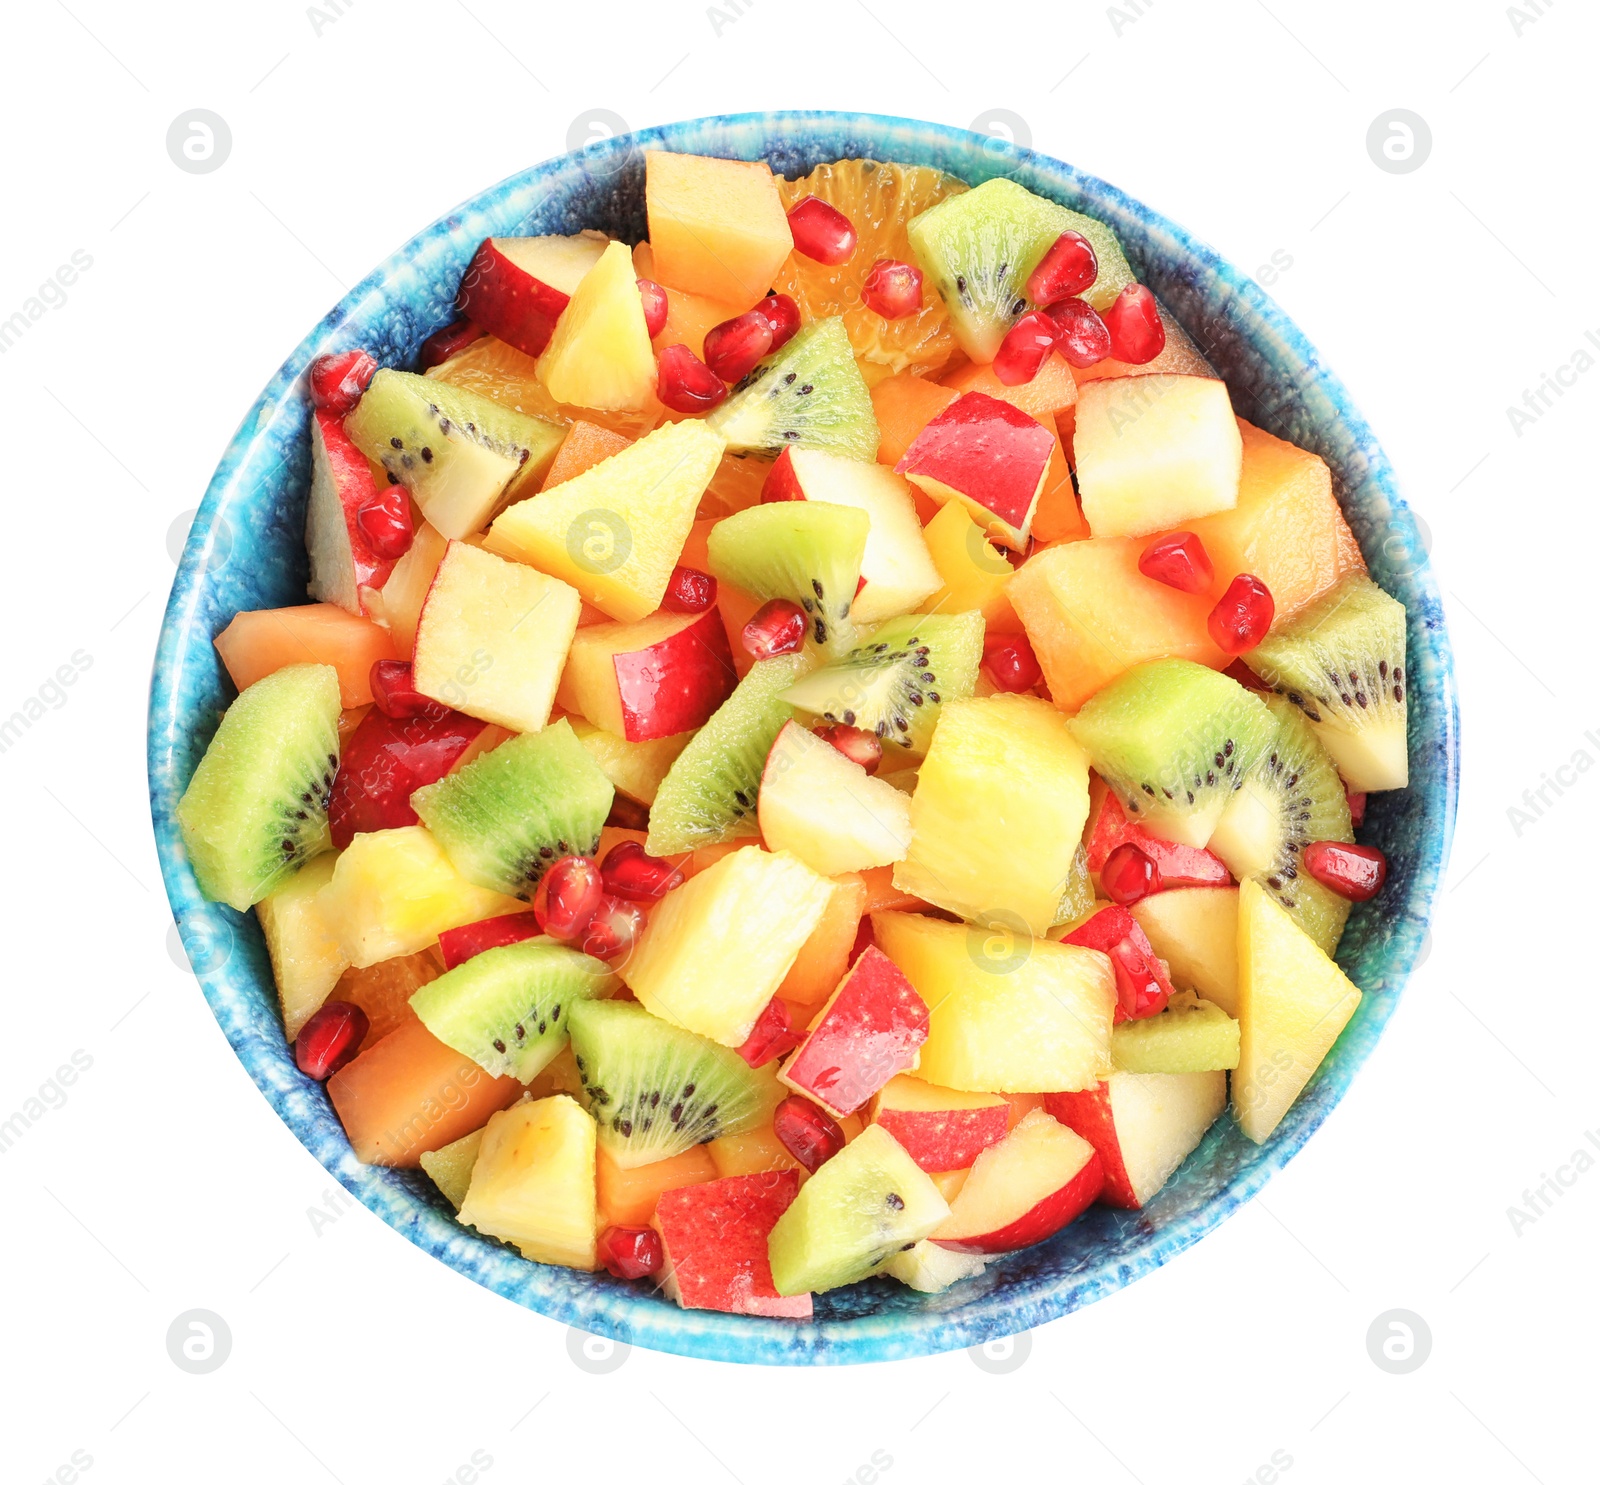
x,y
600,354
409,1093
585,445
634,768
825,956
930,1269
628,1196
689,316
384,990
403,595
972,571
754,1150
1050,391
998,812
1154,452
493,637
517,287
1056,517
344,568
394,891
1196,930
714,1241
884,896
306,958
825,808
1090,614
716,949
1006,1014
450,1168
260,641
615,531
717,227
904,405
533,1183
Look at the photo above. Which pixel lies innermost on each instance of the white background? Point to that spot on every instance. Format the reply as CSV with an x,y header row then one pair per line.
x,y
166,1183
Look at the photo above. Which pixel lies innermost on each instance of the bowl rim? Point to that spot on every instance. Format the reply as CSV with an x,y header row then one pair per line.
x,y
617,1311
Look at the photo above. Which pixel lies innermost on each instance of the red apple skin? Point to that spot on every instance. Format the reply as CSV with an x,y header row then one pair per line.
x,y
1114,932
352,479
986,449
386,760
714,1237
508,301
1043,1219
946,1139
1088,1114
1176,866
781,483
676,684
773,1035
457,945
869,1032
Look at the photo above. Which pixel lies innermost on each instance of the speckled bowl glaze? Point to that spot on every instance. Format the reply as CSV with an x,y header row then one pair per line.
x,y
245,552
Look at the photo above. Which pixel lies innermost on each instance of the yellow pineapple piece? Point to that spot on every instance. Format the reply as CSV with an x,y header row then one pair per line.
x,y
752,1152
306,958
973,572
600,355
450,1167
634,768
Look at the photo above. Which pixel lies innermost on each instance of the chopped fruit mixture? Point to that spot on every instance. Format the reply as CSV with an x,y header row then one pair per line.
x,y
821,747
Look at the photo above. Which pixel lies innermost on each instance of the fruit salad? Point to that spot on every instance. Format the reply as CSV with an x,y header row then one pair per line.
x,y
820,746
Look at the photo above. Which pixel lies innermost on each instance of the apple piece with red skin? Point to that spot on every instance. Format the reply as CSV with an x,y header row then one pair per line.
x,y
385,761
1176,865
988,454
1142,1125
868,1031
942,1129
714,1244
457,945
773,1035
1143,987
344,568
516,287
650,679
1039,1178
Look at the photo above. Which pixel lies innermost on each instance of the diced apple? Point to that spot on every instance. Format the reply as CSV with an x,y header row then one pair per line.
x,y
1176,865
930,1269
942,1129
493,637
403,595
344,568
714,1238
303,946
516,287
1030,1185
1143,1125
972,573
600,354
1153,452
1196,930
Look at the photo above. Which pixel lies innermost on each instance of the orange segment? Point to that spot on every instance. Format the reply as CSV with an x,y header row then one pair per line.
x,y
263,640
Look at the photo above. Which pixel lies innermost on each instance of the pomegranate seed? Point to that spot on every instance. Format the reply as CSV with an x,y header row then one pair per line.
x,y
385,521
330,1039
689,591
858,746
457,945
1355,872
655,306
1137,334
1081,335
1024,350
630,1252
614,928
783,314
568,895
777,628
733,347
1179,560
771,1036
395,694
1358,807
821,232
1068,268
628,814
1011,663
781,482
865,938
338,381
808,1133
443,344
1128,875
632,874
684,383
892,289
1242,616
1140,992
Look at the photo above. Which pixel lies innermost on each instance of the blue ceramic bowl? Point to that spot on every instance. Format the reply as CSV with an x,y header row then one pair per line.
x,y
245,552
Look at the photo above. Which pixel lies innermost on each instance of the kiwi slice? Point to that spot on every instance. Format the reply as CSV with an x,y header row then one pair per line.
x,y
507,1009
809,395
657,1090
895,680
1191,1035
1174,740
977,250
1293,796
804,550
256,809
1077,896
1342,661
510,813
709,793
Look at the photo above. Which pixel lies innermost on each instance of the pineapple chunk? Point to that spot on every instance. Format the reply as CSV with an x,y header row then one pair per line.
x,y
973,573
634,768
1006,1014
600,354
450,1168
999,808
717,948
306,958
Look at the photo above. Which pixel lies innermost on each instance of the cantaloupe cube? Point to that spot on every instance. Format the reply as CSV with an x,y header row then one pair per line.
x,y
585,445
1050,392
260,641
600,355
689,316
904,405
627,1198
1057,517
1091,614
717,227
825,956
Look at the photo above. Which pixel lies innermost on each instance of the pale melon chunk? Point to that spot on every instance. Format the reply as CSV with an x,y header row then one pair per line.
x,y
600,355
929,1269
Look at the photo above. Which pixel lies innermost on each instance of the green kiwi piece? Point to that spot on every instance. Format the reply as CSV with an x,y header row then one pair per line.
x,y
256,809
896,678
1342,661
657,1090
1293,796
809,394
1174,740
977,250
510,813
709,793
804,550
1191,1035
508,1009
